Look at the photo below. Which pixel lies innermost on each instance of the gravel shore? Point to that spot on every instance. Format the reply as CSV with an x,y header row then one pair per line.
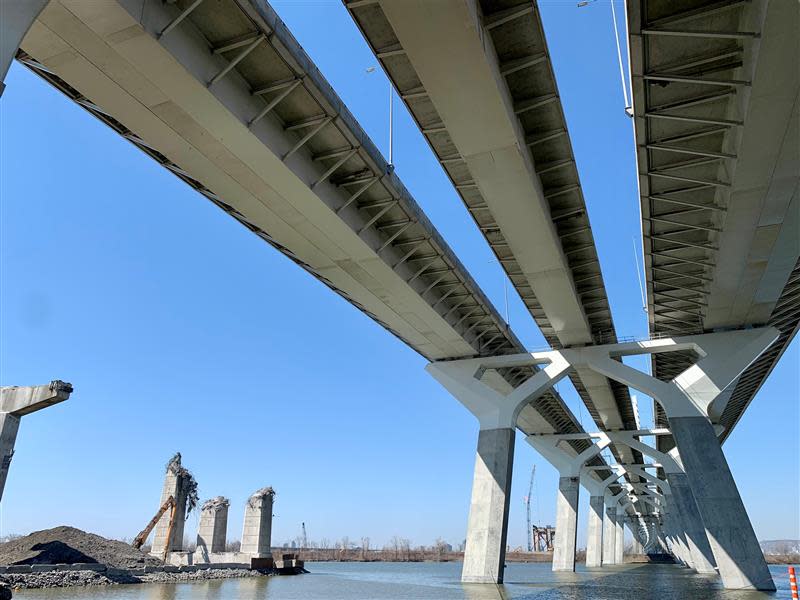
x,y
52,579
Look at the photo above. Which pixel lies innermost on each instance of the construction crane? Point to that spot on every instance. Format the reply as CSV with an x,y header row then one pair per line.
x,y
528,510
140,539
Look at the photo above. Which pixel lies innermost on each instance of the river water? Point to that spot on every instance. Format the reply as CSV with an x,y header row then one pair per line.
x,y
436,581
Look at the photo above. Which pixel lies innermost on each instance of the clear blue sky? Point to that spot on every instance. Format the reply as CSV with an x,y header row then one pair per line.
x,y
182,331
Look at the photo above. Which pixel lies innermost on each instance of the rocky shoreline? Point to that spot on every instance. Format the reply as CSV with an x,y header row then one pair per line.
x,y
83,578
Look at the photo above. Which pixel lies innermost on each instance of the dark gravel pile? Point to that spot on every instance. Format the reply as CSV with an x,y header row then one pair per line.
x,y
70,545
201,575
53,579
56,579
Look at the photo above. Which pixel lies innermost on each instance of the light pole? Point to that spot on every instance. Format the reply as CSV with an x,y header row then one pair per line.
x,y
369,71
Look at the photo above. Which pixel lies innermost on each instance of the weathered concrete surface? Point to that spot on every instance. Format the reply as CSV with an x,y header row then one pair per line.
x,y
485,552
17,401
566,524
9,426
637,548
701,559
594,532
733,542
673,530
213,528
619,533
173,486
257,530
610,536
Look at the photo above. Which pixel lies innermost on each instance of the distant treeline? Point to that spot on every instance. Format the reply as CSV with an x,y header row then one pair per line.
x,y
428,554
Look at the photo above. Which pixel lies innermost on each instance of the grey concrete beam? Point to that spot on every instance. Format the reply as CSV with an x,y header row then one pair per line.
x,y
17,401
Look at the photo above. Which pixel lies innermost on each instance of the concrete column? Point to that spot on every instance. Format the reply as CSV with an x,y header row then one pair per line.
x,y
566,524
673,531
594,532
16,401
9,426
694,537
660,540
619,533
729,531
16,17
213,528
173,486
638,549
485,552
257,530
610,536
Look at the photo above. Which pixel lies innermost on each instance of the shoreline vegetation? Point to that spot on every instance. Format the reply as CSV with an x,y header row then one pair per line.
x,y
68,557
435,555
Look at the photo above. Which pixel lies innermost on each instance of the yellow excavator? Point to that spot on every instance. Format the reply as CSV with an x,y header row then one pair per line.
x,y
140,539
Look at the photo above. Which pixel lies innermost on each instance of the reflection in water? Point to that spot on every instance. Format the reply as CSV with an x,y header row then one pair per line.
x,y
477,591
255,587
436,581
159,592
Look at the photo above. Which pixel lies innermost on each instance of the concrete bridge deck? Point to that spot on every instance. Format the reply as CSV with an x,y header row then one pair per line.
x,y
716,98
508,154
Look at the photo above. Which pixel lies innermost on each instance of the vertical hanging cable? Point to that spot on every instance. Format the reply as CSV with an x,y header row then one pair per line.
x,y
619,58
639,275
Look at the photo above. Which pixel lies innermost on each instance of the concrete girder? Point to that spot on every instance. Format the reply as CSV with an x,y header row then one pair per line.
x,y
448,46
146,73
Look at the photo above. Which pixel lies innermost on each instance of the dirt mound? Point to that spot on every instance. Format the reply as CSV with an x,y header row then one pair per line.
x,y
69,545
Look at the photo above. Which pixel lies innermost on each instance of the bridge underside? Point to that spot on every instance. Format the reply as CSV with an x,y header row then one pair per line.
x,y
717,117
220,94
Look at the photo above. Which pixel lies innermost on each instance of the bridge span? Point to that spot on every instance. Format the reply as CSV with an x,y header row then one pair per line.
x,y
221,94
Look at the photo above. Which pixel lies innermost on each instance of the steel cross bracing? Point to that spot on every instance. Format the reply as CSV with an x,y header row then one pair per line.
x,y
697,70
257,58
519,45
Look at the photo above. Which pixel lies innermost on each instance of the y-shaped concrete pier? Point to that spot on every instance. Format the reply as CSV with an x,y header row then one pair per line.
x,y
703,514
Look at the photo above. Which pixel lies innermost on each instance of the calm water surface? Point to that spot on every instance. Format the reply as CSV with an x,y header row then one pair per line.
x,y
434,581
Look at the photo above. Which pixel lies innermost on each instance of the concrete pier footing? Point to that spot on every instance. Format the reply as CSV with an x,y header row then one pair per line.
x,y
594,532
566,524
257,529
485,551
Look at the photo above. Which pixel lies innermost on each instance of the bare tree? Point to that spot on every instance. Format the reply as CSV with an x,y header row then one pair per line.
x,y
405,548
440,548
394,544
364,548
